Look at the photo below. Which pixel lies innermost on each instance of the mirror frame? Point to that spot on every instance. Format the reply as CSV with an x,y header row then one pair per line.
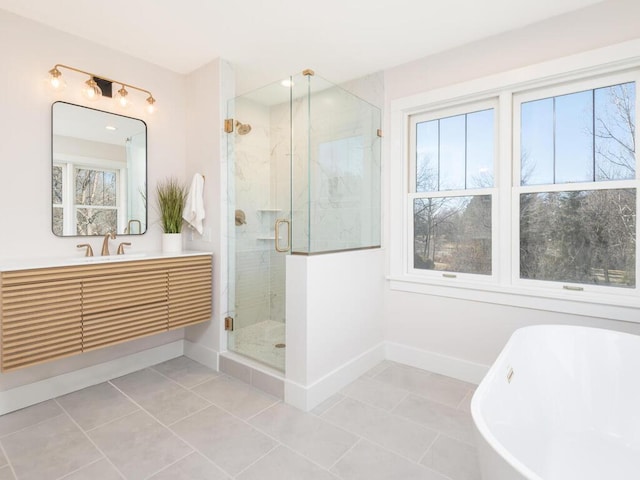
x,y
146,169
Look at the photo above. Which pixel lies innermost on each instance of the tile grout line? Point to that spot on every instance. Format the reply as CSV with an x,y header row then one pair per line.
x,y
277,402
296,452
342,400
234,415
384,447
66,475
345,396
211,403
170,465
9,464
428,373
433,442
218,374
355,444
32,425
139,405
469,393
169,425
176,435
439,432
257,460
109,421
90,440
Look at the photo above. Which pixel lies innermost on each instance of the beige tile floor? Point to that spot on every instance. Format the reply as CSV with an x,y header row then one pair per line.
x,y
181,420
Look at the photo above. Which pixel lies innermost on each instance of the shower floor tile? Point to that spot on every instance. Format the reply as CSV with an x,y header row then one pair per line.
x,y
258,341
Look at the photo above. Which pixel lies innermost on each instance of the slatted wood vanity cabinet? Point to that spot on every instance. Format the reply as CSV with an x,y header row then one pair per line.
x,y
54,312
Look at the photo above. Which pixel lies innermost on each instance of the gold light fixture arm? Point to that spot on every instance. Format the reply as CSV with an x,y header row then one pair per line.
x,y
56,74
61,65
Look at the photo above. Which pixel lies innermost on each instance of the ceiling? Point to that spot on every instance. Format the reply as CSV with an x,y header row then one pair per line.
x,y
267,40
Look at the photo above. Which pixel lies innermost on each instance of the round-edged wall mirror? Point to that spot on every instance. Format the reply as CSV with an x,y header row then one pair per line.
x,y
99,172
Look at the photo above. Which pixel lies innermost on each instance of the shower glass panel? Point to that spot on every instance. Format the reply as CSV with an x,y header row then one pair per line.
x,y
336,169
303,178
259,184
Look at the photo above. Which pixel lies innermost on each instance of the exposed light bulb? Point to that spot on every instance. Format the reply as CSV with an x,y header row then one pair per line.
x,y
92,90
287,83
56,80
151,107
122,97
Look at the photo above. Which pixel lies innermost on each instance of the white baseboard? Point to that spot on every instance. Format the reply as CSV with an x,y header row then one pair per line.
x,y
307,397
304,397
26,395
201,354
437,363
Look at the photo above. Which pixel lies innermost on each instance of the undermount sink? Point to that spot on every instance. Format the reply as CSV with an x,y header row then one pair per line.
x,y
109,258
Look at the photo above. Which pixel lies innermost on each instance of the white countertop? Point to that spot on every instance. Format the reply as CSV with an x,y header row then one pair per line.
x,y
45,262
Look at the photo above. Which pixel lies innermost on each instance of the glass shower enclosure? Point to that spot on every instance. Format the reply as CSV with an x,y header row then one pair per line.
x,y
303,179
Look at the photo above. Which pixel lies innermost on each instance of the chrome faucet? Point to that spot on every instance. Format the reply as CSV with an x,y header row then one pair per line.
x,y
105,243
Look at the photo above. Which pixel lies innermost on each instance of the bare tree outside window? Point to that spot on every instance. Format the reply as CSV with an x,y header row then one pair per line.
x,y
581,235
96,201
56,200
452,232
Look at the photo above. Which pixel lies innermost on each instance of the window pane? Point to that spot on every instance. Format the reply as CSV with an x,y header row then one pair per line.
x,y
57,221
91,221
564,138
574,137
452,153
614,127
427,156
480,149
536,142
453,234
95,187
57,185
579,237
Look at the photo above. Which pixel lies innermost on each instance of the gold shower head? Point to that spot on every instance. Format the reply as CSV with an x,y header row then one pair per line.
x,y
242,128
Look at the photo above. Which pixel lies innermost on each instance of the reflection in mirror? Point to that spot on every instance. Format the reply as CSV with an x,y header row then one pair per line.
x,y
99,172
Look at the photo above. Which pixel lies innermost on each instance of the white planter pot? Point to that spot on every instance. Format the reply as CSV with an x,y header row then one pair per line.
x,y
171,242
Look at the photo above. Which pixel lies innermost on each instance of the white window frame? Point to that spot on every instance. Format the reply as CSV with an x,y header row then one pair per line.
x,y
568,72
412,194
517,190
69,165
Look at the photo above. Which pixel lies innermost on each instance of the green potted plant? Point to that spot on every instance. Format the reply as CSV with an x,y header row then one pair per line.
x,y
172,196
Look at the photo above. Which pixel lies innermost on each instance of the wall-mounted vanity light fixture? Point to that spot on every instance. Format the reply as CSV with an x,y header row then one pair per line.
x,y
98,86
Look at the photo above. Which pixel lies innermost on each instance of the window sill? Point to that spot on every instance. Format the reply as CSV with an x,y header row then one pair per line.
x,y
598,305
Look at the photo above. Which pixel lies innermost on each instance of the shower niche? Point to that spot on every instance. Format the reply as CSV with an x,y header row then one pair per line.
x,y
304,167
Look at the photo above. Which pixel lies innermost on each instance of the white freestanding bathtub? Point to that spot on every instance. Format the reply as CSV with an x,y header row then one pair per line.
x,y
561,403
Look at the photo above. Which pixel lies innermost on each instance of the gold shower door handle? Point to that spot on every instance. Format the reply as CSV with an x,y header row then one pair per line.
x,y
279,222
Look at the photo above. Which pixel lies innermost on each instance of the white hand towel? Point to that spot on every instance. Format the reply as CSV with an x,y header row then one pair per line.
x,y
194,206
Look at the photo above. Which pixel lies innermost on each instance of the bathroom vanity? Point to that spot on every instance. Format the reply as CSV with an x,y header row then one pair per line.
x,y
54,309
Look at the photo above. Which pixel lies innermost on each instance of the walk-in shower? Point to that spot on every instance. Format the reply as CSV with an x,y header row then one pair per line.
x,y
306,181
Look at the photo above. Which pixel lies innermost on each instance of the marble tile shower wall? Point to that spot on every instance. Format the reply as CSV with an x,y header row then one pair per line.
x,y
258,289
335,172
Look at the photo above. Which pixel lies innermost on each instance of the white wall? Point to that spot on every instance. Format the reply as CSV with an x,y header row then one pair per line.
x,y
208,88
451,335
28,50
335,328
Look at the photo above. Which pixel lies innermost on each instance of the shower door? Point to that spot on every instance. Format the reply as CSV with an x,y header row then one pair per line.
x,y
259,194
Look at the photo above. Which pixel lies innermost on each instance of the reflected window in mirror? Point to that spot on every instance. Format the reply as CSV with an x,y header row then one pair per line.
x,y
99,165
